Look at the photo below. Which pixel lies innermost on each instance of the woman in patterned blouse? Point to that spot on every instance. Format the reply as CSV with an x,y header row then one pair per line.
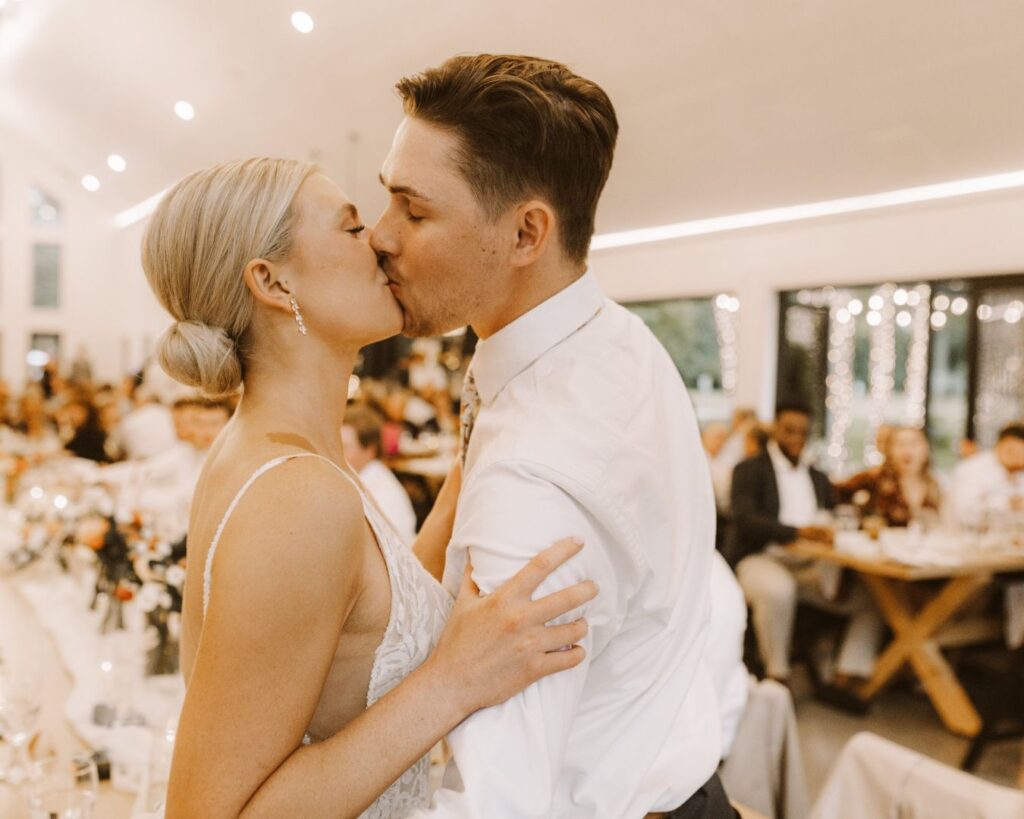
x,y
902,487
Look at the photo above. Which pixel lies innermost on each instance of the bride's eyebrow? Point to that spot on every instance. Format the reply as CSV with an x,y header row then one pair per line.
x,y
404,190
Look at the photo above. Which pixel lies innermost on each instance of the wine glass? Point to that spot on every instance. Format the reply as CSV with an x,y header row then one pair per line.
x,y
20,704
67,788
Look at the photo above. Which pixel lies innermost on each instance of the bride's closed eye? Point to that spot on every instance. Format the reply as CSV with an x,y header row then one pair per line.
x,y
356,230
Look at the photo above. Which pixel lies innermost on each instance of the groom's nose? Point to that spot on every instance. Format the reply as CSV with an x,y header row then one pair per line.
x,y
382,238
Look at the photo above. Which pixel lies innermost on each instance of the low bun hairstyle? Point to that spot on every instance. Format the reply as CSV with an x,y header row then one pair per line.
x,y
200,238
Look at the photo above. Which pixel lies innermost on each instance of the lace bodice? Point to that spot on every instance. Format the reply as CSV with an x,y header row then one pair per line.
x,y
419,608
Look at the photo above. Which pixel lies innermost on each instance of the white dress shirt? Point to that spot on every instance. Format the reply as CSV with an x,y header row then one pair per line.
x,y
798,505
981,484
585,428
724,652
391,497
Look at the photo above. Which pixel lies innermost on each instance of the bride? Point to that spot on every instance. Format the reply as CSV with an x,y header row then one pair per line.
x,y
319,667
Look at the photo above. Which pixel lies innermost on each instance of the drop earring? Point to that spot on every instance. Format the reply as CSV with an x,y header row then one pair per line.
x,y
298,316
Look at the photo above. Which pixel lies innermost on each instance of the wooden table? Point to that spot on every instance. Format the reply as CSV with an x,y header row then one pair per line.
x,y
920,632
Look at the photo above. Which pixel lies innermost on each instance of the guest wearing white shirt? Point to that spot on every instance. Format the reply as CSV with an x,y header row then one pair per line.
x,y
146,430
166,481
777,499
575,421
993,481
360,437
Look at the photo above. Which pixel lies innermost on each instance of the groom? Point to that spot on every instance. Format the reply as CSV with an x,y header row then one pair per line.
x,y
575,421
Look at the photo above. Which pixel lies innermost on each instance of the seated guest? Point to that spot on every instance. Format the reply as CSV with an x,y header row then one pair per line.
x,y
726,447
87,438
148,429
992,481
755,441
166,481
37,436
360,437
777,500
903,488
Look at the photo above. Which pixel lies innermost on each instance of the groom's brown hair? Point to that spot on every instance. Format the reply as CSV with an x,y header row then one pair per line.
x,y
527,127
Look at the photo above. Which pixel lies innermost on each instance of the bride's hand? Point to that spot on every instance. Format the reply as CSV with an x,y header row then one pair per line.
x,y
495,646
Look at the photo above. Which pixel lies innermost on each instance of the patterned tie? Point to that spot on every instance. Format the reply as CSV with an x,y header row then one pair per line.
x,y
467,412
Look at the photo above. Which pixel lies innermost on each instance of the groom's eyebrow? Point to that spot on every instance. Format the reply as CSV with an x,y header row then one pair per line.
x,y
405,190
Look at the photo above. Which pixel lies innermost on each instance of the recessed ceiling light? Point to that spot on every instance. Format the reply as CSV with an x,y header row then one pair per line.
x,y
116,163
184,110
90,183
302,22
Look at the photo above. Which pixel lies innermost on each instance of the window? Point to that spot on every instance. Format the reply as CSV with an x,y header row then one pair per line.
x,y
700,336
45,275
947,355
999,397
43,348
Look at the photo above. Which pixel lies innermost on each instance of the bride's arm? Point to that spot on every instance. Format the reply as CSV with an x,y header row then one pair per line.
x,y
432,541
284,584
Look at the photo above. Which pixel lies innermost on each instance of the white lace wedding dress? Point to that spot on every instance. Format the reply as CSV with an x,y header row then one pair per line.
x,y
419,609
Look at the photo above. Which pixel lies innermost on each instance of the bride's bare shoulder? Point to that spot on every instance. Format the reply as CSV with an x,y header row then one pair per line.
x,y
301,516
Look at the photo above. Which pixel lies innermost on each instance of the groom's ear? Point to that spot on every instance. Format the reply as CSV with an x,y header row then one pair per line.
x,y
261,277
535,224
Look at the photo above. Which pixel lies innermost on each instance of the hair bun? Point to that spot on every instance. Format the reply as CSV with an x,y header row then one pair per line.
x,y
202,356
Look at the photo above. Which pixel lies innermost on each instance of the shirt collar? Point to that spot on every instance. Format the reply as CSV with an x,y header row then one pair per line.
x,y
780,461
516,346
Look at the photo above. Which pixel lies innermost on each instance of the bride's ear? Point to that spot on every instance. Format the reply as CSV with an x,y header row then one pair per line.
x,y
263,281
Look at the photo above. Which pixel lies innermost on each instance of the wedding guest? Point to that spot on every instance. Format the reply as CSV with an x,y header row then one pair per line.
x,y
6,417
37,436
88,438
776,500
903,488
361,439
81,367
755,440
729,453
167,480
713,438
110,418
147,429
991,481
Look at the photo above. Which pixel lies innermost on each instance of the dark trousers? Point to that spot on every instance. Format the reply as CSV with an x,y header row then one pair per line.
x,y
709,802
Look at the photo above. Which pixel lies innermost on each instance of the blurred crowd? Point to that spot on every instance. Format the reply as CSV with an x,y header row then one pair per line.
x,y
146,434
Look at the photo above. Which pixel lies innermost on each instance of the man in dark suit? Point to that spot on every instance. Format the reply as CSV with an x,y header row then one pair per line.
x,y
777,500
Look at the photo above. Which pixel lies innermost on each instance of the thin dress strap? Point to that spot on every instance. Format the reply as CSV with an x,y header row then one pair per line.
x,y
208,569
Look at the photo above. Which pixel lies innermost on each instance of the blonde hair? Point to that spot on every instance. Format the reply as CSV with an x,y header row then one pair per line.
x,y
202,235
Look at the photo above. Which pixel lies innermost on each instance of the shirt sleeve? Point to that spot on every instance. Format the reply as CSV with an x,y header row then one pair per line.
x,y
510,757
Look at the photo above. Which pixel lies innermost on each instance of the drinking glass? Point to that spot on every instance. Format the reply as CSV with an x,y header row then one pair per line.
x,y
63,803
65,788
20,704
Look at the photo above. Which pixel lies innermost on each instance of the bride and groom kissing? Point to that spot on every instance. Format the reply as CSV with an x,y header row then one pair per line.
x,y
323,657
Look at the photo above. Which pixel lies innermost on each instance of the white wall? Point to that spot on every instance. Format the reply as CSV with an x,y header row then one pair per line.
x,y
92,301
970,236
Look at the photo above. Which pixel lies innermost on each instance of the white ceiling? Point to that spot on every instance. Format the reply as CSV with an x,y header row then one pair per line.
x,y
724,106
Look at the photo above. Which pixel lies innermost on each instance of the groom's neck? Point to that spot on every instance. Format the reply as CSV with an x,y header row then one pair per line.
x,y
525,289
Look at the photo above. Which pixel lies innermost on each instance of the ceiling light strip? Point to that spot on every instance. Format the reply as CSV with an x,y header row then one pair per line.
x,y
796,213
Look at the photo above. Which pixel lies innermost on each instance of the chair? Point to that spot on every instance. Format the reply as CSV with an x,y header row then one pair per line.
x,y
764,770
875,777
